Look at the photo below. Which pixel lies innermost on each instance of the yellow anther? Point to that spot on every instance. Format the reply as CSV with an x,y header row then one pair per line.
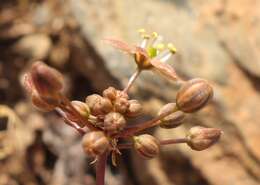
x,y
146,36
141,31
160,46
171,47
155,34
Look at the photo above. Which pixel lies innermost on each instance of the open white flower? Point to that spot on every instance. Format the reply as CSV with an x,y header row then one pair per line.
x,y
150,54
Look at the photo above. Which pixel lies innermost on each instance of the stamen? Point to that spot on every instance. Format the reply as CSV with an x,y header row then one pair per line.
x,y
171,47
145,41
164,55
157,39
154,37
160,47
141,31
155,34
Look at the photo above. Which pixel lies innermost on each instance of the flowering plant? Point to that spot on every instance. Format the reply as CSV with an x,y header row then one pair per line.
x,y
102,119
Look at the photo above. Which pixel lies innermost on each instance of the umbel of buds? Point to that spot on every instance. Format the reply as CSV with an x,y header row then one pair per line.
x,y
146,146
194,95
102,120
200,138
95,143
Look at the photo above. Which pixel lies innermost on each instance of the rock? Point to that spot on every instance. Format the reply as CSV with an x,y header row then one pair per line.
x,y
34,46
215,40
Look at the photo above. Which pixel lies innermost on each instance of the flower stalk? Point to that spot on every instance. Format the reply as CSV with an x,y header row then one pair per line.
x,y
132,80
101,168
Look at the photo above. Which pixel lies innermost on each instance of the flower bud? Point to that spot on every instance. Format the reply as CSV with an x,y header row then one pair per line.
x,y
121,105
91,100
173,120
95,143
122,94
110,93
82,109
114,122
200,138
134,108
47,81
194,95
146,146
167,109
39,103
99,105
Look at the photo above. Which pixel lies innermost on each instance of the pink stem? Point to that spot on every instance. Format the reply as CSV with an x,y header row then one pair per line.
x,y
132,80
76,113
142,126
173,141
100,168
162,142
70,123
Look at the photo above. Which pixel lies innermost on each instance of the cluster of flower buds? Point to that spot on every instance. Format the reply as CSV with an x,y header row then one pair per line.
x,y
106,116
109,114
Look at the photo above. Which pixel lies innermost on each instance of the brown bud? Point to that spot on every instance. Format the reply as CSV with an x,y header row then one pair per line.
x,y
99,105
173,120
121,105
122,94
82,109
41,104
110,93
95,143
147,146
167,109
194,95
200,138
114,122
47,81
91,100
134,108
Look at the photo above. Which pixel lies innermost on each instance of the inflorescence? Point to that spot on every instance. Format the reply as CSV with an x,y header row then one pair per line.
x,y
102,120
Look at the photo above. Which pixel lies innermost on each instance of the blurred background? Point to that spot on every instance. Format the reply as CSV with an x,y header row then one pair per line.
x,y
218,40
